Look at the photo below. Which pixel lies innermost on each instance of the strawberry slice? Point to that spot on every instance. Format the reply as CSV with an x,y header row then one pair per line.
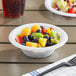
x,y
72,10
51,28
19,39
43,31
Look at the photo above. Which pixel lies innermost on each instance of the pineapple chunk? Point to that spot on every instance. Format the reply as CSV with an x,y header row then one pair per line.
x,y
42,42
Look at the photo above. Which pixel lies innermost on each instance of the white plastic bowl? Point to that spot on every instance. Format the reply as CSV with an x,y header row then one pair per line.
x,y
37,52
48,5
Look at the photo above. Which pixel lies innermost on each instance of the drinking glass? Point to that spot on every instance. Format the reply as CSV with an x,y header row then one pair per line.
x,y
13,8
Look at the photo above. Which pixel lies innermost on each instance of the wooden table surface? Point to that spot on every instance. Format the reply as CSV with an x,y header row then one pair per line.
x,y
12,61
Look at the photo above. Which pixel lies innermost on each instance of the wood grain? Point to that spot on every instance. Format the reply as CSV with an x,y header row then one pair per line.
x,y
18,69
9,53
35,5
4,33
38,16
31,5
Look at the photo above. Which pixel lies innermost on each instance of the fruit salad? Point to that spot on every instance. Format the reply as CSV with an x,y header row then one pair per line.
x,y
38,37
68,6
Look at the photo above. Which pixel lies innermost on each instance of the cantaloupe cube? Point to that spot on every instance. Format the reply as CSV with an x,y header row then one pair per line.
x,y
25,32
31,44
35,28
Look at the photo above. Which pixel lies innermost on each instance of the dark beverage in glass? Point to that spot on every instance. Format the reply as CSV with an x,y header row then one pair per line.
x,y
13,8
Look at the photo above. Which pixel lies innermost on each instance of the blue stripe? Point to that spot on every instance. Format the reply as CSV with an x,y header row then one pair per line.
x,y
37,72
34,73
31,73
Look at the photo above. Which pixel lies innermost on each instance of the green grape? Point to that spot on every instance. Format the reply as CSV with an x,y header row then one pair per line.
x,y
55,41
37,35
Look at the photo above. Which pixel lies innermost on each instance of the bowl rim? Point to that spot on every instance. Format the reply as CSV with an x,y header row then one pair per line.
x,y
51,9
39,49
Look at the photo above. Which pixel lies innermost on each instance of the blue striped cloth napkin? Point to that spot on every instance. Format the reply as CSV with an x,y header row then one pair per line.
x,y
63,71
